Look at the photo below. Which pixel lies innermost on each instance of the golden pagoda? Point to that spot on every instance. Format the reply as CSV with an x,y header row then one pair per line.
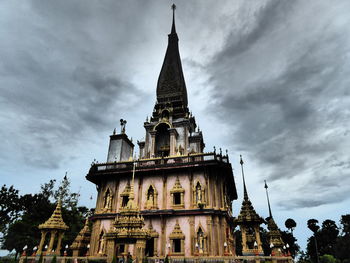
x,y
249,222
56,227
128,228
276,242
81,242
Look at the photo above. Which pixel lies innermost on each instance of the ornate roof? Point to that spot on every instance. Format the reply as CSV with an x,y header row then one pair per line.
x,y
274,233
177,232
177,188
247,215
171,87
129,225
56,220
83,238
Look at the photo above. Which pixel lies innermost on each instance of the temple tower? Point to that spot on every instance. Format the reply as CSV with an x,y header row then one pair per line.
x,y
183,195
56,227
249,222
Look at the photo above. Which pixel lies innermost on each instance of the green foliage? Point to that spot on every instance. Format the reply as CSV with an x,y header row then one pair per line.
x,y
166,259
37,208
114,260
328,259
290,224
312,225
54,259
289,239
10,206
238,238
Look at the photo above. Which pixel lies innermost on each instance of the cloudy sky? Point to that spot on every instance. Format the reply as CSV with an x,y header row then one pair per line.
x,y
266,79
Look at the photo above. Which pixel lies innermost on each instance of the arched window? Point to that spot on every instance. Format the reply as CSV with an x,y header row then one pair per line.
x,y
162,140
101,244
151,198
201,238
107,201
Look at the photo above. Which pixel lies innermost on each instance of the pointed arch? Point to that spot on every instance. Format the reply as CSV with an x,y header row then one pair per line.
x,y
151,197
201,241
107,200
101,248
198,194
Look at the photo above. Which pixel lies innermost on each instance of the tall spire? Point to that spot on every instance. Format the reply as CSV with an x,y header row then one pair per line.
x,y
244,186
173,30
268,199
171,86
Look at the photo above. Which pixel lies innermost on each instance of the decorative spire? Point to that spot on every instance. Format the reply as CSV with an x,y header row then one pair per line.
x,y
268,199
171,86
131,203
173,30
56,220
244,186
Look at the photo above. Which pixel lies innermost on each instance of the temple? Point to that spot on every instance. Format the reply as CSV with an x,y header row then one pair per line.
x,y
182,197
172,200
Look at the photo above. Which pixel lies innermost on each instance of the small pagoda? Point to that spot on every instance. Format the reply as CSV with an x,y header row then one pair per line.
x,y
276,242
249,222
81,242
56,227
128,228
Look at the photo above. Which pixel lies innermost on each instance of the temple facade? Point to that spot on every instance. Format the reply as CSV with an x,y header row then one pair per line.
x,y
173,198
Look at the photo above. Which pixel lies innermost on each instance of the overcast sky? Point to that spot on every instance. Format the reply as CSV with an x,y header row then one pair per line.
x,y
266,79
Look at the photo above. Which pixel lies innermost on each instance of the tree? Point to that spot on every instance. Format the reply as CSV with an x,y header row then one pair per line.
x,y
9,206
343,241
290,224
37,208
289,239
312,224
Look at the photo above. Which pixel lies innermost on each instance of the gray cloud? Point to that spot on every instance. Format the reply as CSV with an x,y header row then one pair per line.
x,y
285,96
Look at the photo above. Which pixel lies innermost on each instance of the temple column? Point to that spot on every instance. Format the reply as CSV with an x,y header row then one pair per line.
x,y
110,250
155,245
257,238
52,240
140,250
163,237
244,239
173,135
192,234
59,242
164,203
153,143
209,231
42,241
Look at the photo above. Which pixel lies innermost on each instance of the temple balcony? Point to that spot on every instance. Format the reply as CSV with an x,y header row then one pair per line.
x,y
216,163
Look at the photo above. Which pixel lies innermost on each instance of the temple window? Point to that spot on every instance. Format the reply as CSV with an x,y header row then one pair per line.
x,y
162,140
177,245
107,201
125,195
177,198
177,239
177,195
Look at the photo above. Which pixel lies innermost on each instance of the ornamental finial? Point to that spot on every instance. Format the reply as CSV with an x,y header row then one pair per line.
x,y
173,31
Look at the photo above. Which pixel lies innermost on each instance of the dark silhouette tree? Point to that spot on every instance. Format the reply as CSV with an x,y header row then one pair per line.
x,y
290,224
36,209
10,206
312,224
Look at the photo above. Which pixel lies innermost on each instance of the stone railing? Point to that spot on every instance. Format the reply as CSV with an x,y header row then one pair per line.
x,y
226,259
166,161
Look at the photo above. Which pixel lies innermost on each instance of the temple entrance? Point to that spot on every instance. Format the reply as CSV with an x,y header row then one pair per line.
x,y
162,140
149,251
